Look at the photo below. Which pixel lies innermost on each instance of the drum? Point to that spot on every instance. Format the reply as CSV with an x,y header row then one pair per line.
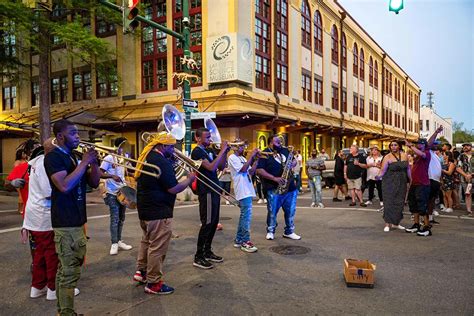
x,y
127,196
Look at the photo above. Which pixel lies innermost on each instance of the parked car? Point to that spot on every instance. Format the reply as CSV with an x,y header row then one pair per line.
x,y
328,174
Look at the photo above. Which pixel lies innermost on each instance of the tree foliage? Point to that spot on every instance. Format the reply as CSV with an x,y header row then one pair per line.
x,y
462,135
20,26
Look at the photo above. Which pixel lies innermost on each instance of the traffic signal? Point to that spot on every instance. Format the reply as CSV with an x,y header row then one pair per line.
x,y
395,5
129,19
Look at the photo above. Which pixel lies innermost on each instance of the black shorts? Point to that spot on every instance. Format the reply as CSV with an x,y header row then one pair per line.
x,y
339,180
434,189
418,198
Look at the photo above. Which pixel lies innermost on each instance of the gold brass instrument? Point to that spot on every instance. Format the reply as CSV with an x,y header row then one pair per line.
x,y
103,151
287,172
174,124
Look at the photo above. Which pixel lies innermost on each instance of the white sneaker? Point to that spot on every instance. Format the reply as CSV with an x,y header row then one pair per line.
x,y
386,229
265,201
260,201
381,203
313,204
270,236
320,205
227,203
114,249
35,293
51,295
448,210
124,246
435,213
292,236
442,207
369,202
399,227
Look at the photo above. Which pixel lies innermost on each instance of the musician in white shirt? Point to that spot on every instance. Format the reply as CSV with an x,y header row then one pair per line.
x,y
114,173
242,171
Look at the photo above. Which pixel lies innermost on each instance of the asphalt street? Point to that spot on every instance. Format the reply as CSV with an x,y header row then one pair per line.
x,y
415,275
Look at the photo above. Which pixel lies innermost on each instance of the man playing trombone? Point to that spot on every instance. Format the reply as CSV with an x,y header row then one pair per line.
x,y
270,171
155,203
209,199
68,178
114,173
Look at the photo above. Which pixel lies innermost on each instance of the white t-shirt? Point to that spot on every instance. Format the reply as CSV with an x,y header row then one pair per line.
x,y
372,172
434,170
38,206
243,186
109,164
299,164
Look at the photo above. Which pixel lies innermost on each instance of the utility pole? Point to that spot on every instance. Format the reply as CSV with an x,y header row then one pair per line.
x,y
184,38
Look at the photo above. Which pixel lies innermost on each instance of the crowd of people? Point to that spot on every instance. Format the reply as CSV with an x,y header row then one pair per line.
x,y
55,213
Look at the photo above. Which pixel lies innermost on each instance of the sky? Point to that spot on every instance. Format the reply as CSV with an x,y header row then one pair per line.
x,y
433,41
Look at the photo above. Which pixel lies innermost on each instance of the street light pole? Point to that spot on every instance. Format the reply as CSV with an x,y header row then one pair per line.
x,y
186,84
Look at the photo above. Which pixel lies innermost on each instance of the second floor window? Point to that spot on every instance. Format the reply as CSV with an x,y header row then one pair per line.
x,y
107,83
355,106
318,91
35,101
335,98
82,86
9,98
59,89
362,108
306,86
344,101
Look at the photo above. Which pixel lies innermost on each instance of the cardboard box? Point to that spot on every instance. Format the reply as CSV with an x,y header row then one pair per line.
x,y
359,273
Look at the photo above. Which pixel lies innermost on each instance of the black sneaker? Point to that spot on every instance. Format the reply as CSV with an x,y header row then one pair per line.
x,y
202,263
210,256
347,198
413,229
425,232
336,200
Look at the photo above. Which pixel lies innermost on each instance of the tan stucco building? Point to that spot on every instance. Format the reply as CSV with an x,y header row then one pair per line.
x,y
302,68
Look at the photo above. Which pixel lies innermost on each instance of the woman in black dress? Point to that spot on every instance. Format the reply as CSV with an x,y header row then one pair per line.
x,y
339,176
395,174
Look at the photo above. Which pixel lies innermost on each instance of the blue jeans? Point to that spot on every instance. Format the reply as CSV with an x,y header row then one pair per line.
x,y
117,217
298,181
243,230
315,187
286,201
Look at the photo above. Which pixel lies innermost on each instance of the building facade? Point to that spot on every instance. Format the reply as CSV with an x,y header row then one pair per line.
x,y
302,68
430,121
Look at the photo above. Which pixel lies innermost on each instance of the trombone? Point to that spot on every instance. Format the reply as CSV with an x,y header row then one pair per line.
x,y
194,165
103,151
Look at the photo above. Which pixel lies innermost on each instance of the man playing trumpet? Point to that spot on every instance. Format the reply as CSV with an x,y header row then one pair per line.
x,y
242,171
114,173
155,203
209,199
271,170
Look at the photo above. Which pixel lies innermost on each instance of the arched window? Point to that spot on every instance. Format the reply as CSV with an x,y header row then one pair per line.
x,y
344,51
362,65
355,66
318,33
371,71
305,25
376,75
334,45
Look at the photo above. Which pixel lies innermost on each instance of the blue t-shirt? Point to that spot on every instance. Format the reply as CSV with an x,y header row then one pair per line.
x,y
274,166
67,209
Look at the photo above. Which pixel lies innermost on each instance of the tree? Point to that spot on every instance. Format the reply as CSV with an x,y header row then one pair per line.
x,y
25,30
462,135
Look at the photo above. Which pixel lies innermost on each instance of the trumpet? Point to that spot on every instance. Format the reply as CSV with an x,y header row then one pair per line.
x,y
103,151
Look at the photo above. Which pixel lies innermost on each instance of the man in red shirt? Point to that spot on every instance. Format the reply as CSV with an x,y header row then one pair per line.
x,y
419,193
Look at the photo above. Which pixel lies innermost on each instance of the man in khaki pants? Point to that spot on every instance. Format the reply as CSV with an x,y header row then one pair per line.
x,y
155,203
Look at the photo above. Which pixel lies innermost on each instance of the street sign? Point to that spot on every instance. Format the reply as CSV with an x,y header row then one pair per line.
x,y
203,115
191,103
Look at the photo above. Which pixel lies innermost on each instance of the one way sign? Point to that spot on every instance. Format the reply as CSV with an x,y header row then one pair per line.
x,y
190,103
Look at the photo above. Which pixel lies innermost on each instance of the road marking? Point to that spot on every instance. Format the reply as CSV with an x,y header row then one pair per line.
x,y
8,230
